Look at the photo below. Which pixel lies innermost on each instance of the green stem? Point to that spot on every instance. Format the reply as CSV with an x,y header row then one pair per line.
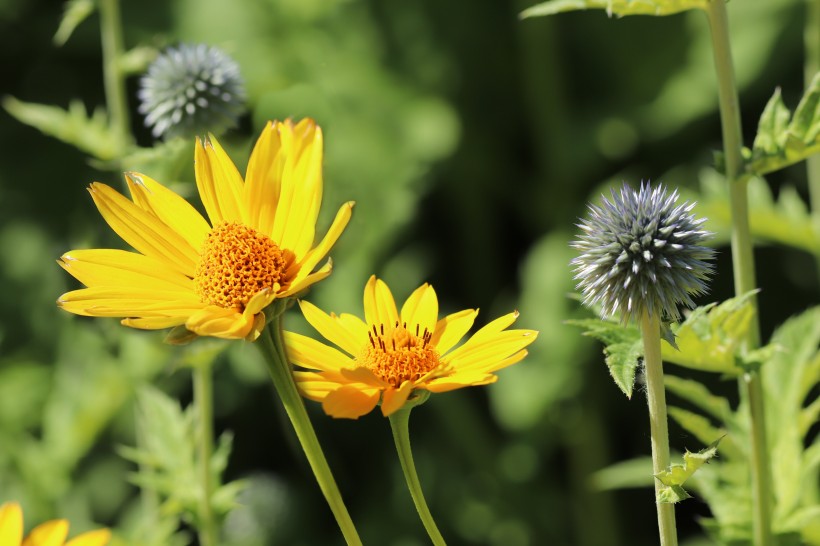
x,y
113,49
282,375
812,67
400,424
743,263
656,398
203,399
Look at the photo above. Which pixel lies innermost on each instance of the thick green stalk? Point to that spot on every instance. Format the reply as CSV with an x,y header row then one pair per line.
x,y
113,49
659,432
282,375
400,424
203,400
812,67
743,263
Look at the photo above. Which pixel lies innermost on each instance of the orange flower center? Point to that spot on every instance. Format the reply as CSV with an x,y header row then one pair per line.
x,y
236,263
399,355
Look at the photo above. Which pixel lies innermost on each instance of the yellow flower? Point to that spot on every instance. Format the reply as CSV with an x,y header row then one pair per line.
x,y
391,354
50,533
216,277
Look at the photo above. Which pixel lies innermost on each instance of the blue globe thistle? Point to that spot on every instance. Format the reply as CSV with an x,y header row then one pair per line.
x,y
642,252
190,90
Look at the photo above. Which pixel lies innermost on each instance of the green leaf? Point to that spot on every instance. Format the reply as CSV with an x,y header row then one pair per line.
x,y
75,12
623,349
697,394
617,7
677,474
90,134
781,141
785,221
711,336
624,474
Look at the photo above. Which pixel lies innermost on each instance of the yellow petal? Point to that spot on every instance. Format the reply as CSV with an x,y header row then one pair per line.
x,y
484,356
303,171
421,309
451,329
129,302
219,183
311,354
349,402
263,179
169,207
11,524
143,230
50,533
314,385
332,329
218,322
460,380
154,323
314,256
394,399
379,305
303,283
112,268
100,537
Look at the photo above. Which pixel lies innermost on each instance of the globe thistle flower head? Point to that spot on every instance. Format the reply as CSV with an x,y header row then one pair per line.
x,y
642,252
190,90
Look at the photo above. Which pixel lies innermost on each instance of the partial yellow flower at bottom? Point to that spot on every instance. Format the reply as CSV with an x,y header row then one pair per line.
x,y
393,353
214,278
51,533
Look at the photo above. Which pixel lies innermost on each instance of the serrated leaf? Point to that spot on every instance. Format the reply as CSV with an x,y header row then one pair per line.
x,y
677,474
623,349
75,12
701,428
711,336
781,141
74,126
620,8
697,394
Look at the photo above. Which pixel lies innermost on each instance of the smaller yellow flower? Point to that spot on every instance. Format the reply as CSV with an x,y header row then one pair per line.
x,y
50,533
391,354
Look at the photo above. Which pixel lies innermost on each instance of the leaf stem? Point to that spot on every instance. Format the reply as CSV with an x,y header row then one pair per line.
x,y
273,348
400,425
112,49
743,263
203,398
656,399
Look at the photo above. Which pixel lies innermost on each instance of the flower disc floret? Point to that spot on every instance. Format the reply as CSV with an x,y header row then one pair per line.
x,y
397,355
642,252
237,262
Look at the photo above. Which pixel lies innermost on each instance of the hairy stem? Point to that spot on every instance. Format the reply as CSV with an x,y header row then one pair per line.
x,y
280,370
112,49
743,263
656,398
400,424
203,399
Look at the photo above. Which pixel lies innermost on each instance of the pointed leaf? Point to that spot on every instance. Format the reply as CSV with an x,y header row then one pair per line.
x,y
618,7
75,12
677,474
623,349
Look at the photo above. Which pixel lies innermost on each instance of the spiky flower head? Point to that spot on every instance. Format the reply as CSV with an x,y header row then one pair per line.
x,y
190,90
641,251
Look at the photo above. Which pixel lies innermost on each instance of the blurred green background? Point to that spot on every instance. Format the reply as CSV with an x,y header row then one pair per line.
x,y
471,142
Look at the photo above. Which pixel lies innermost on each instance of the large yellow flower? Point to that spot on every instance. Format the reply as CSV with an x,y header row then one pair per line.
x,y
216,277
391,354
50,533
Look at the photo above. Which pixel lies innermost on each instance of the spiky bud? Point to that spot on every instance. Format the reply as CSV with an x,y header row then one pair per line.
x,y
190,90
640,251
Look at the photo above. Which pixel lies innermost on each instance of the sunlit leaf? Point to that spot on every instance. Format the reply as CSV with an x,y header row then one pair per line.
x,y
74,126
711,336
74,13
617,7
782,141
677,474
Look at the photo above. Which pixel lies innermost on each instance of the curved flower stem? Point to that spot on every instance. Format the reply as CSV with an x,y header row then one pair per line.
x,y
282,375
203,399
112,48
400,424
656,398
743,264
